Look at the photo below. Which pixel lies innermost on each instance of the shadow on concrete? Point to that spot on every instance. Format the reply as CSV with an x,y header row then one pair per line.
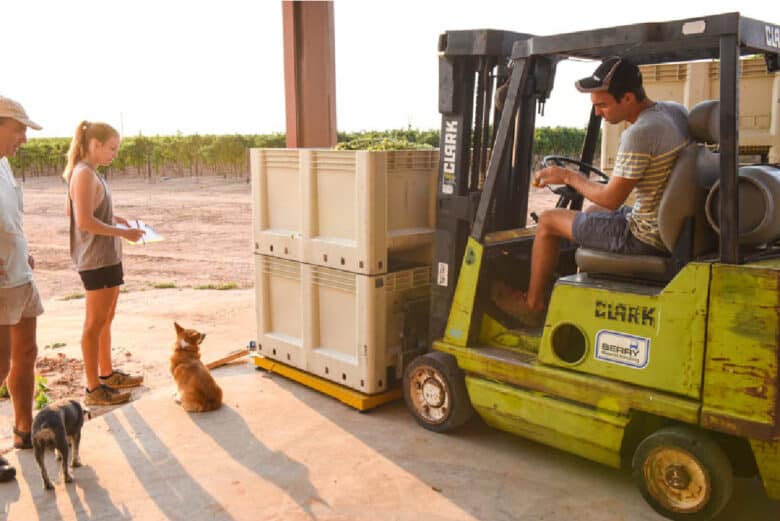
x,y
9,494
45,501
231,432
96,502
166,482
95,497
541,483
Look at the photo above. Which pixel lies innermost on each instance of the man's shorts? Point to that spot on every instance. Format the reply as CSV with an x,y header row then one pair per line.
x,y
609,231
101,278
18,303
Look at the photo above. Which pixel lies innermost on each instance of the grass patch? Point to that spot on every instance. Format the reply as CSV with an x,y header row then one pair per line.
x,y
55,345
73,296
41,398
163,285
223,286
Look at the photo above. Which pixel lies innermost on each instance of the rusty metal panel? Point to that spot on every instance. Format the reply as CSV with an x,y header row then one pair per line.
x,y
588,432
740,392
521,369
767,455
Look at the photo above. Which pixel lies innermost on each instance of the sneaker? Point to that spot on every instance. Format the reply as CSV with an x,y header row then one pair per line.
x,y
120,380
105,395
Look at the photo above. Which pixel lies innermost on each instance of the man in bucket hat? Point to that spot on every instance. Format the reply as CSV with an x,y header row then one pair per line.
x,y
20,303
647,152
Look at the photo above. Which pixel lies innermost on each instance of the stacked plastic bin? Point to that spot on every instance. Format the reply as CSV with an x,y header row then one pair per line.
x,y
343,242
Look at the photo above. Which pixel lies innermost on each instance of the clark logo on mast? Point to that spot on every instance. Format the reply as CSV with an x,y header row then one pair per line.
x,y
448,156
772,36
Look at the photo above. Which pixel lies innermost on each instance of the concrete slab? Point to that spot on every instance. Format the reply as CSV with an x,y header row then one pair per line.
x,y
279,451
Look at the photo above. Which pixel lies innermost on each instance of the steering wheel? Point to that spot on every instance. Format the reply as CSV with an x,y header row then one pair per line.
x,y
566,192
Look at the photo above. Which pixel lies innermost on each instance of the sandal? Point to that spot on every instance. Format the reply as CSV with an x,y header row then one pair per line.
x,y
26,437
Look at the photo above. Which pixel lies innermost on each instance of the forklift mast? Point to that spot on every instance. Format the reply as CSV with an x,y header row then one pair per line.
x,y
474,70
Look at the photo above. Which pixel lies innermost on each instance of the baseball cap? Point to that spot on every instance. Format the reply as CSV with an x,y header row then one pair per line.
x,y
615,72
12,109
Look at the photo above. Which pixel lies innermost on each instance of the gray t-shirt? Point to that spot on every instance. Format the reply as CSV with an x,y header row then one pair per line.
x,y
88,250
648,150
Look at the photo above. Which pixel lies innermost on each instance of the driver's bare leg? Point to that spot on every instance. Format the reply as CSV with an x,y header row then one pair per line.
x,y
553,225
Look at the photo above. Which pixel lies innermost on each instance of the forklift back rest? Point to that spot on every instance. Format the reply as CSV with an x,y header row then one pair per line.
x,y
682,201
695,170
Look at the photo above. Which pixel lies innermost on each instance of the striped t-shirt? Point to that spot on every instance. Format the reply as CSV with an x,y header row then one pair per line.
x,y
647,151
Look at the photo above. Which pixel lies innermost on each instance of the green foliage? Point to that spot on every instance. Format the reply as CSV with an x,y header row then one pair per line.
x,y
398,139
227,155
223,286
561,141
41,398
381,144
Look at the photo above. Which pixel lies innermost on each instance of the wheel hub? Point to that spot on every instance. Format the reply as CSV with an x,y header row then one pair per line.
x,y
677,477
433,392
677,480
429,394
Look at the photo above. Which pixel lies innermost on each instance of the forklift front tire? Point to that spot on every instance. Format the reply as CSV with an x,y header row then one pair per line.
x,y
435,392
683,474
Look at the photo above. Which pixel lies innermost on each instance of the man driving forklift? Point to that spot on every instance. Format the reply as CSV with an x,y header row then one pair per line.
x,y
647,152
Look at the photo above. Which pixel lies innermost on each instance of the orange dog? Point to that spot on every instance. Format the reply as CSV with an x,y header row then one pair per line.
x,y
196,389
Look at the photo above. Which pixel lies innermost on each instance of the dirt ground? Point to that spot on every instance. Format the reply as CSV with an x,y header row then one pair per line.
x,y
205,222
206,225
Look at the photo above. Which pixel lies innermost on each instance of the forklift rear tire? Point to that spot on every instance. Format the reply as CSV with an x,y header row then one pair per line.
x,y
683,474
435,392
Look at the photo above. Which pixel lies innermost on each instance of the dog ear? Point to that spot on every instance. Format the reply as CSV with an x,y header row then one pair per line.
x,y
179,329
87,412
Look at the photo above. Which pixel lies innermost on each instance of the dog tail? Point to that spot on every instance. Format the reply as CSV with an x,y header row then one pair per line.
x,y
45,437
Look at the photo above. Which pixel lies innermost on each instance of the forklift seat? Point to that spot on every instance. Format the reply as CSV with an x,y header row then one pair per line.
x,y
681,216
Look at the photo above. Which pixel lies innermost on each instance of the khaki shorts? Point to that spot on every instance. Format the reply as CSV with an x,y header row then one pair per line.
x,y
18,303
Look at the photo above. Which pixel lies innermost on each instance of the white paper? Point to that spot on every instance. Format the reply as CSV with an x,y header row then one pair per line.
x,y
149,236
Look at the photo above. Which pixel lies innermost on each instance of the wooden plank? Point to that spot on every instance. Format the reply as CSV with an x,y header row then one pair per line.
x,y
234,355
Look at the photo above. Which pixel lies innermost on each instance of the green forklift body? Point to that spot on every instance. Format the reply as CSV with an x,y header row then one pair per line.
x,y
688,352
648,336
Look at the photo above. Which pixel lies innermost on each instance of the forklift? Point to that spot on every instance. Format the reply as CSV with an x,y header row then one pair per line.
x,y
667,366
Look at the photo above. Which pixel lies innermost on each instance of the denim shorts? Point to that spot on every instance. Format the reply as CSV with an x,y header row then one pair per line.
x,y
609,231
101,278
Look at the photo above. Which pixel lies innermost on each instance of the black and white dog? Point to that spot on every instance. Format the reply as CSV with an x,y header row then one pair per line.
x,y
58,426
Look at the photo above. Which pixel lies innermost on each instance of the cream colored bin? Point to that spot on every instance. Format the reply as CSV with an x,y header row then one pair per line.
x,y
341,326
277,209
354,210
356,323
280,309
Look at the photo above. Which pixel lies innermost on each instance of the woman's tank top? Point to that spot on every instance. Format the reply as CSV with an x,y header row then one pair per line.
x,y
88,250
